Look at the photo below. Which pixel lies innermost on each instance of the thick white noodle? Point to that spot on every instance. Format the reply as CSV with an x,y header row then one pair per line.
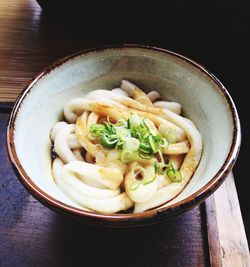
x,y
150,98
80,104
136,93
162,196
143,192
107,205
162,180
57,166
102,176
153,96
173,106
177,148
70,175
73,142
121,92
61,144
128,87
104,205
77,153
56,128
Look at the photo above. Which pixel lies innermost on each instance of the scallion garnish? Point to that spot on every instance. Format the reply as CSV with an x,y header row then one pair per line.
x,y
134,186
153,144
132,137
174,175
145,148
108,141
127,156
97,129
132,144
156,166
134,121
145,155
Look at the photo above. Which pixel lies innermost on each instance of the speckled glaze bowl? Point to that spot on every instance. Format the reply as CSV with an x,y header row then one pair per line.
x,y
203,98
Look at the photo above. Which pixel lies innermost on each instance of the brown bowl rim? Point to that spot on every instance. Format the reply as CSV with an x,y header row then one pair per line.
x,y
150,216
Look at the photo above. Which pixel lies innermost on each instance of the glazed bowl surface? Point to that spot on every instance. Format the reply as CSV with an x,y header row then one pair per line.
x,y
203,98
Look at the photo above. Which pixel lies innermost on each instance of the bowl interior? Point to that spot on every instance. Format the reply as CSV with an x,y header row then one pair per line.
x,y
174,77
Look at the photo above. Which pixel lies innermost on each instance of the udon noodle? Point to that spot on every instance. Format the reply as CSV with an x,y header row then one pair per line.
x,y
123,150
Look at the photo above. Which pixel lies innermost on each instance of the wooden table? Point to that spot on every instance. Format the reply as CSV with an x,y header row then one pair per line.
x,y
211,234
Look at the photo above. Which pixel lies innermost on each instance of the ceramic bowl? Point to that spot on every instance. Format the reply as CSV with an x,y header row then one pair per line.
x,y
203,98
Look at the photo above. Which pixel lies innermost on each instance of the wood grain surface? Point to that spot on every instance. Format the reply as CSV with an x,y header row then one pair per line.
x,y
29,42
32,235
226,235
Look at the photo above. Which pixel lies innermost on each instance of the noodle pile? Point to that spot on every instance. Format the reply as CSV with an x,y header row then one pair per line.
x,y
124,150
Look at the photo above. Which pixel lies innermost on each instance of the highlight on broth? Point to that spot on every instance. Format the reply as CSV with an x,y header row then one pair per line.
x,y
123,150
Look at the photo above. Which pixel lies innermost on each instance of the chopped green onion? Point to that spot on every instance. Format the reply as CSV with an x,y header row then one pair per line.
x,y
127,156
132,144
134,121
142,136
123,133
153,132
174,175
108,126
119,144
121,123
108,141
97,129
145,124
153,144
134,186
113,155
145,155
157,138
150,181
132,136
145,148
156,166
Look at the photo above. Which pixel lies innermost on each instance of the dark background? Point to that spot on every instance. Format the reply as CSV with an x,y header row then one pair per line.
x,y
215,34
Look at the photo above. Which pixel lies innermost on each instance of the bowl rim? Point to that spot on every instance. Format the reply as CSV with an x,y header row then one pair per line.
x,y
125,219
